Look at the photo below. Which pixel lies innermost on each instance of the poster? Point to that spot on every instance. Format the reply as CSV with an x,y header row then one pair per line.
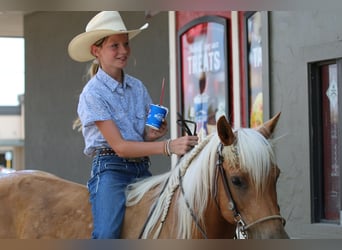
x,y
203,72
255,64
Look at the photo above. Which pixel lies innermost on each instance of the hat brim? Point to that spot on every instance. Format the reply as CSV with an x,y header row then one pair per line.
x,y
79,47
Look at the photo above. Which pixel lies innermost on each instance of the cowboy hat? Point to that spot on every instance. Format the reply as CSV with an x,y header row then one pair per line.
x,y
104,24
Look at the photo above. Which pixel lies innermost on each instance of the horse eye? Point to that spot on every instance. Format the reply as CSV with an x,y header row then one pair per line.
x,y
236,181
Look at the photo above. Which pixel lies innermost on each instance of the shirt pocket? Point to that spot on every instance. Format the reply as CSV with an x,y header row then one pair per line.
x,y
139,124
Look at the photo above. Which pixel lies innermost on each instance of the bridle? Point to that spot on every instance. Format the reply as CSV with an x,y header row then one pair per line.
x,y
241,225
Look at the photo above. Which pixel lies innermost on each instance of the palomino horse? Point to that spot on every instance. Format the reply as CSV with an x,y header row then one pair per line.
x,y
227,182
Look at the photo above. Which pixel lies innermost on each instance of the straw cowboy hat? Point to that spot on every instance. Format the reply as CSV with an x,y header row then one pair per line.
x,y
104,24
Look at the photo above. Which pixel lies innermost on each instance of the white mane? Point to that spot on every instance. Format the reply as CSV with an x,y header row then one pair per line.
x,y
198,167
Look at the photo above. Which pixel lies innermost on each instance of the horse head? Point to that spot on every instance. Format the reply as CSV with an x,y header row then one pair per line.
x,y
247,186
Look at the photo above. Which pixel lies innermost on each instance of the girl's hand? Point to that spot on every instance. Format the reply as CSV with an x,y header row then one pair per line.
x,y
182,145
154,134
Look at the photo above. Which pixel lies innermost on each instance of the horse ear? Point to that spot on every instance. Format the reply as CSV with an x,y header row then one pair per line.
x,y
225,131
268,127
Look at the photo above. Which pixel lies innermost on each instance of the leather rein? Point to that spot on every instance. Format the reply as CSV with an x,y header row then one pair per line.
x,y
241,225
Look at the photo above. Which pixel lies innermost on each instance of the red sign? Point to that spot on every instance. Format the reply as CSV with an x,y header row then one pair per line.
x,y
203,72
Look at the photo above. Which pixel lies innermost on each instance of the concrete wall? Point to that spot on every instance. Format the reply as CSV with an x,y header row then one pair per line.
x,y
54,81
296,39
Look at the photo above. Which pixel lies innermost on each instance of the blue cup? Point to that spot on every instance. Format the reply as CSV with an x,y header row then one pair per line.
x,y
156,115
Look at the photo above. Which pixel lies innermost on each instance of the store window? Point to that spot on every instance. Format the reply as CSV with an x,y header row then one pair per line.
x,y
325,79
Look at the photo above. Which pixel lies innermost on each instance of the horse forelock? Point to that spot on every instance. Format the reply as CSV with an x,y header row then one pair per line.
x,y
255,155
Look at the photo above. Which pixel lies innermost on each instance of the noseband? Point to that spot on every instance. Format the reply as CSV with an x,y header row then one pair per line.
x,y
241,226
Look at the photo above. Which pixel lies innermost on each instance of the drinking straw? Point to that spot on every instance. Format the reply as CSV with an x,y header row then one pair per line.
x,y
162,92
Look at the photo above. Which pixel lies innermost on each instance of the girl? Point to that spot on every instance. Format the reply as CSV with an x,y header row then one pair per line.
x,y
112,110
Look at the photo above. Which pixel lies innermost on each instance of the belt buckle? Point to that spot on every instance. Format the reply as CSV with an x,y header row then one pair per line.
x,y
134,160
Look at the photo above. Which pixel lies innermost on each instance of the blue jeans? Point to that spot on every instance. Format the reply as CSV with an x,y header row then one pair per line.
x,y
110,176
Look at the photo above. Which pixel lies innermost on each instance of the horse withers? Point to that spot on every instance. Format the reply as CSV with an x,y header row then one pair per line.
x,y
225,186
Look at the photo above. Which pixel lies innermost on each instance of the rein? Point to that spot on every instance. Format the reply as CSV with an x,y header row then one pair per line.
x,y
241,226
197,223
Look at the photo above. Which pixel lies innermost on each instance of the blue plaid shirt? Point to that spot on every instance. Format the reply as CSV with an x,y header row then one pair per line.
x,y
103,98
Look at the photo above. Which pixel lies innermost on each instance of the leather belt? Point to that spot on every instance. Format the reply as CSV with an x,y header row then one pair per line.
x,y
105,151
109,151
